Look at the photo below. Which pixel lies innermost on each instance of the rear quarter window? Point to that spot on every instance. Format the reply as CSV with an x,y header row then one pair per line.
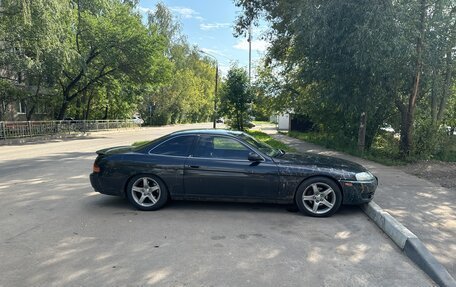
x,y
177,146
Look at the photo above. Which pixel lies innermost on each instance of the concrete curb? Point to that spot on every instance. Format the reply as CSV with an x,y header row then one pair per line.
x,y
410,244
38,139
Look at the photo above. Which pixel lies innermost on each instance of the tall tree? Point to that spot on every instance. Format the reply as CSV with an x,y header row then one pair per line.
x,y
408,109
347,58
69,49
338,51
31,51
186,95
109,40
235,97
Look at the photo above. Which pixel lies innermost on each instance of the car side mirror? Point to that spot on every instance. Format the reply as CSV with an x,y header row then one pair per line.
x,y
255,157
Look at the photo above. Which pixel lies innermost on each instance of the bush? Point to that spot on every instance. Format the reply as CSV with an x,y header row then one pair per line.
x,y
432,142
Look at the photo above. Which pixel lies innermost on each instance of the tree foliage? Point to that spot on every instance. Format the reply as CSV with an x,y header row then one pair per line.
x,y
334,60
99,60
236,97
187,95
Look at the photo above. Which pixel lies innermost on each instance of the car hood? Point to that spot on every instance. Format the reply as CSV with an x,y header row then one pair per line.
x,y
311,159
115,150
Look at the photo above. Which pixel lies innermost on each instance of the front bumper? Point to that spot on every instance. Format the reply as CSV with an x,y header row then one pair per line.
x,y
358,192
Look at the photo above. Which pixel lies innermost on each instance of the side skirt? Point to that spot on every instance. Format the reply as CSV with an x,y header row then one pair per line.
x,y
228,199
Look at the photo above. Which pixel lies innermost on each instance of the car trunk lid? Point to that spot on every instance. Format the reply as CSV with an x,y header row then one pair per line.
x,y
115,150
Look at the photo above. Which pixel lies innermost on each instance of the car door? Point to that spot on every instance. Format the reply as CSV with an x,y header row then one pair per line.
x,y
219,168
167,160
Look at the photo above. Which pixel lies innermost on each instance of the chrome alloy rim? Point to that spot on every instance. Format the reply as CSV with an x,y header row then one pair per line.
x,y
146,191
319,198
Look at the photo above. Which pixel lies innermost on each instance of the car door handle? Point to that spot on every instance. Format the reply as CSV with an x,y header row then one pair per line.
x,y
194,166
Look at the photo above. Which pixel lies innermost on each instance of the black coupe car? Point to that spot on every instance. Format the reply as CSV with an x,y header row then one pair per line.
x,y
229,166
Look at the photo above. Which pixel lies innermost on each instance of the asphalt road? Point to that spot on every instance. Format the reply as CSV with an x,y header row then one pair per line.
x,y
55,231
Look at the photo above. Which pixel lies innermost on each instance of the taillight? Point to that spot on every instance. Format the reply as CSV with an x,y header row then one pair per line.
x,y
96,168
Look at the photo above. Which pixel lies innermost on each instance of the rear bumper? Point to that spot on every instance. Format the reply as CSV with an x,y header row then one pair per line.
x,y
358,192
97,183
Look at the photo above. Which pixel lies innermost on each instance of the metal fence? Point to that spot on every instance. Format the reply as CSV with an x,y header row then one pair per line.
x,y
9,130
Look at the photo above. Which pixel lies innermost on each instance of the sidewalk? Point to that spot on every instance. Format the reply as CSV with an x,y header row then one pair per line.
x,y
425,208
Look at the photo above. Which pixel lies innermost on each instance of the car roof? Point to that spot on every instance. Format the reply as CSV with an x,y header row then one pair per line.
x,y
208,132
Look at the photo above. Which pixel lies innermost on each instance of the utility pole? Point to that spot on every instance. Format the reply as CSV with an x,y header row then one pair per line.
x,y
249,39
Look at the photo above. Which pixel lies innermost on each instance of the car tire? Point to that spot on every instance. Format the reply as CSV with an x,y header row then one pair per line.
x,y
318,197
147,192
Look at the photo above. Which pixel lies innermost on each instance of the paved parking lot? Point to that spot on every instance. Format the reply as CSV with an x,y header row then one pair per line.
x,y
55,231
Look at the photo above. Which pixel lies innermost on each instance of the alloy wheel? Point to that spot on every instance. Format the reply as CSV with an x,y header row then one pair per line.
x,y
146,191
318,198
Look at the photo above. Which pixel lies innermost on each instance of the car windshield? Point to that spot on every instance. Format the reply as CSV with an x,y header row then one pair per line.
x,y
263,147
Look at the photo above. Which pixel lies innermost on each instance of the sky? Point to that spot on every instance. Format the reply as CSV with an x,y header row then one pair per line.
x,y
209,25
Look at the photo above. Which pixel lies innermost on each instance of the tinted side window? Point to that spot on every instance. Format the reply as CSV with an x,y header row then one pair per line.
x,y
178,146
221,147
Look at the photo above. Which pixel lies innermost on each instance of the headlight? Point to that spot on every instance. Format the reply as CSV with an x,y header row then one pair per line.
x,y
364,176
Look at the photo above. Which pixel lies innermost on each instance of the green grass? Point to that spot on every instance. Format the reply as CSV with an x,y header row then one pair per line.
x,y
263,137
384,149
261,123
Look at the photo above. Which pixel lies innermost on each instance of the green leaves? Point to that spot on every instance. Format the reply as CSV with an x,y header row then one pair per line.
x,y
235,98
186,91
333,60
97,59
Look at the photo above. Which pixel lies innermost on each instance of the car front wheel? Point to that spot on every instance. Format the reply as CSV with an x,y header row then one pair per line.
x,y
146,192
318,197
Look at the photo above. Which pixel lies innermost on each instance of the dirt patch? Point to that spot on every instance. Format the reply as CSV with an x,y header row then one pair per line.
x,y
443,173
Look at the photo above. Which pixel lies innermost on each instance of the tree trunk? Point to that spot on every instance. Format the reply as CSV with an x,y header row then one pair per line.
x,y
409,111
434,99
63,109
34,100
30,113
241,122
405,127
105,117
362,132
446,87
107,105
406,133
78,108
88,106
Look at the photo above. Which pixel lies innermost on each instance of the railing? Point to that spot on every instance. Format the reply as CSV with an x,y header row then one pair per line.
x,y
9,130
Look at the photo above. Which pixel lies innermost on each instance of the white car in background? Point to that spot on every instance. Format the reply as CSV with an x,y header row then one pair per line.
x,y
450,130
388,128
137,119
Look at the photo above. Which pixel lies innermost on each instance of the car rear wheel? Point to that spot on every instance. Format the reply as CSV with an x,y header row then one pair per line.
x,y
147,192
319,197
